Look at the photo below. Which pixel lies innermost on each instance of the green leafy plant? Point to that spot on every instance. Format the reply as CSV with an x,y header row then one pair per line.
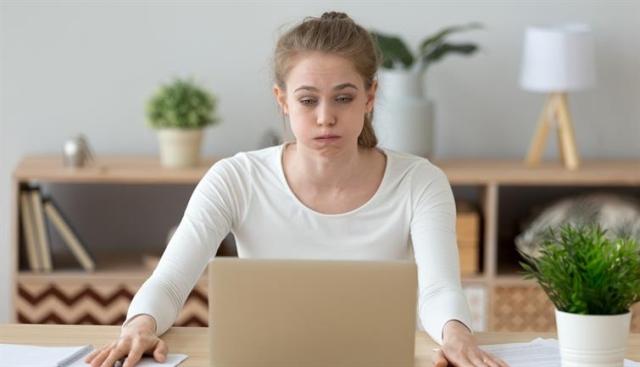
x,y
583,272
181,104
432,49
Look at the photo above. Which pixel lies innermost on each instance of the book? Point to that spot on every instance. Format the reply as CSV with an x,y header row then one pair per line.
x,y
68,235
42,237
28,231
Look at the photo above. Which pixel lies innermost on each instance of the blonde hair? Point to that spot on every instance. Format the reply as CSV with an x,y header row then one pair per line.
x,y
333,33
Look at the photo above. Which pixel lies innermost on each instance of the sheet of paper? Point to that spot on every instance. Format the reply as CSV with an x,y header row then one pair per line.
x,y
33,356
12,355
171,361
536,353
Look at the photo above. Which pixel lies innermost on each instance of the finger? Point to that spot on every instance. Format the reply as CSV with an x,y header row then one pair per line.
x,y
459,360
97,361
501,362
116,353
493,361
134,355
438,359
490,360
478,360
93,353
160,351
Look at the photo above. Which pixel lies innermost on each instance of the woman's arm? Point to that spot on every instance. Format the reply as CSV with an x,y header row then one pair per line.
x,y
208,218
443,307
212,210
433,234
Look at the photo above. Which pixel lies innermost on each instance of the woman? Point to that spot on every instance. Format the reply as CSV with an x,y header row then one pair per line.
x,y
330,194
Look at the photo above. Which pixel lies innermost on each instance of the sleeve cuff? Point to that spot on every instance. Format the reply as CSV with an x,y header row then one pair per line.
x,y
438,309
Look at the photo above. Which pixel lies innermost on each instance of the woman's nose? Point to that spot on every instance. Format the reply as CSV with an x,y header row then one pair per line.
x,y
326,116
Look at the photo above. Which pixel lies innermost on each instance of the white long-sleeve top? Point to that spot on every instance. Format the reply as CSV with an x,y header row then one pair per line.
x,y
411,215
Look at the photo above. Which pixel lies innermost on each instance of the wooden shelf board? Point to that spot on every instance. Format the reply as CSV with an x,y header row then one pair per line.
x,y
513,280
147,169
109,169
516,172
474,279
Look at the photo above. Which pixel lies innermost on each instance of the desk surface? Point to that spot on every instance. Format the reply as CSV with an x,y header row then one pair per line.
x,y
193,340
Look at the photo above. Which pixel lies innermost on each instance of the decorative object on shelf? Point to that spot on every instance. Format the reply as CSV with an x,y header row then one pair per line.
x,y
619,215
180,111
77,152
404,118
592,282
557,60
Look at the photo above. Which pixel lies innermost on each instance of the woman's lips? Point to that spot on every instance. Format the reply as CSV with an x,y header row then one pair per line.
x,y
327,137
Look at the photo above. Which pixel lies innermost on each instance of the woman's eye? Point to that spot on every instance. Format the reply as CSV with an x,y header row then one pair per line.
x,y
309,102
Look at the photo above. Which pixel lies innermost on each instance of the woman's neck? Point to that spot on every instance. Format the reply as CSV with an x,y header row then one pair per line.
x,y
323,172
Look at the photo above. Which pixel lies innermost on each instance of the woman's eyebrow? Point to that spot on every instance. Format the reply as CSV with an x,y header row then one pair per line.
x,y
337,87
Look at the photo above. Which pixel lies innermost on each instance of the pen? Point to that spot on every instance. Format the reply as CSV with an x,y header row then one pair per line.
x,y
75,356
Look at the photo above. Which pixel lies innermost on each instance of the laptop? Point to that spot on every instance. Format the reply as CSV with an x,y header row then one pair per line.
x,y
281,313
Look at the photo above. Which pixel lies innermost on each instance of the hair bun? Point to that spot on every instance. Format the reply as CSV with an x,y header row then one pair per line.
x,y
333,15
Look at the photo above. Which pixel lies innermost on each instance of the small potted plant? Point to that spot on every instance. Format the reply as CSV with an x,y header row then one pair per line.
x,y
180,111
404,117
593,280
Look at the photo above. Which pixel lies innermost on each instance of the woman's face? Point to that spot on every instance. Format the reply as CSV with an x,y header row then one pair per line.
x,y
326,101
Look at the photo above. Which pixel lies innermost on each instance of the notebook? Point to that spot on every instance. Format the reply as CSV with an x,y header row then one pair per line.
x,y
69,356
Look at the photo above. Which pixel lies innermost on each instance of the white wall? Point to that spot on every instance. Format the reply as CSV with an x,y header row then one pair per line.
x,y
72,66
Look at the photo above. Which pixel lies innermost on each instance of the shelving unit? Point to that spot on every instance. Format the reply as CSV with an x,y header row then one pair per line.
x,y
100,297
502,190
506,190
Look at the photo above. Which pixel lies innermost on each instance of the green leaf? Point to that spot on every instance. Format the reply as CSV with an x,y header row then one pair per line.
x,y
394,51
434,48
438,37
448,48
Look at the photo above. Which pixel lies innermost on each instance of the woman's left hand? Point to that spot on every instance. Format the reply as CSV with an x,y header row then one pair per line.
x,y
459,348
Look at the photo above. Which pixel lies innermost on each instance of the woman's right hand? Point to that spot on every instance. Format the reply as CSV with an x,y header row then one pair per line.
x,y
136,338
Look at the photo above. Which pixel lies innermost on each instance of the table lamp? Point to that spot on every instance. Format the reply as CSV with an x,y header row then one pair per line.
x,y
557,60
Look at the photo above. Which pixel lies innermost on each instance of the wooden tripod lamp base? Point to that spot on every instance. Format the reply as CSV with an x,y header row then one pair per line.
x,y
555,113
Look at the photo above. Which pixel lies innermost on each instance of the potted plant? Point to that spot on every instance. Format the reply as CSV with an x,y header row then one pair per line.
x,y
180,111
593,280
404,117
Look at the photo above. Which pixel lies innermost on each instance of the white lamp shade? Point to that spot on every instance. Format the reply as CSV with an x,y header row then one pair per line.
x,y
558,59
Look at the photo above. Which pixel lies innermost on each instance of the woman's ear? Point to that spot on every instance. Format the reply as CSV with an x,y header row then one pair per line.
x,y
281,98
371,95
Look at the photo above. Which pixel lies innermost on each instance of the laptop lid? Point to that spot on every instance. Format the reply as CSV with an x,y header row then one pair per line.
x,y
312,313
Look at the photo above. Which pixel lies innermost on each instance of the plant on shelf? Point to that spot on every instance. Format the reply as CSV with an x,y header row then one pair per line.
x,y
396,54
180,111
592,281
404,117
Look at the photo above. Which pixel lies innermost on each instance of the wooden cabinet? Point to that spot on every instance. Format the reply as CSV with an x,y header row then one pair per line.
x,y
500,194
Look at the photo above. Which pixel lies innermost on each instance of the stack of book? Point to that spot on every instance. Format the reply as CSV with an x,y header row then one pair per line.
x,y
34,211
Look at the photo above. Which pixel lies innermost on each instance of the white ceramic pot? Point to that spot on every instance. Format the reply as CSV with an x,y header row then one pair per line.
x,y
592,340
180,148
403,117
